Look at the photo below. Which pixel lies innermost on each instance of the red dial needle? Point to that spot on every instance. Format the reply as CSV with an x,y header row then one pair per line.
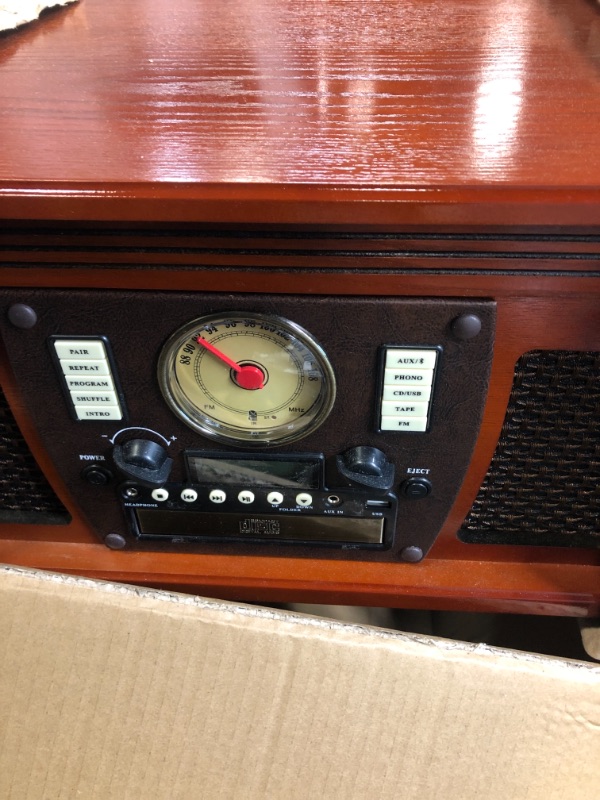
x,y
246,375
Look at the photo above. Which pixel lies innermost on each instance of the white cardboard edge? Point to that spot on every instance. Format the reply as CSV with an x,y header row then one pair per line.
x,y
539,662
14,13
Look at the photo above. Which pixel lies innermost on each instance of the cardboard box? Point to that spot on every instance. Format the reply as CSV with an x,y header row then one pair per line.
x,y
111,691
590,636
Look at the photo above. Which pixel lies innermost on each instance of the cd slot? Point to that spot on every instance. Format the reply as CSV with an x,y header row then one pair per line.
x,y
298,528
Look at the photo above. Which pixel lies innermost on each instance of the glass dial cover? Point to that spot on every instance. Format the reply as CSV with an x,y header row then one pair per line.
x,y
246,378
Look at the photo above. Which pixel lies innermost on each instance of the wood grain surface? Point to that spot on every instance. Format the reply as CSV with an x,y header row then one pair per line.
x,y
194,108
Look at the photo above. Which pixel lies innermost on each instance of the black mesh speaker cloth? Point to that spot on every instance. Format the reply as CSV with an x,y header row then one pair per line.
x,y
25,494
543,484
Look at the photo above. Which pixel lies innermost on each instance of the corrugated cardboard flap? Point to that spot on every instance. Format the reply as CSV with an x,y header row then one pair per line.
x,y
111,691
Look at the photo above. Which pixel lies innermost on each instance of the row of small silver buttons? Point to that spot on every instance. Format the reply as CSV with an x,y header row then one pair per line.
x,y
218,496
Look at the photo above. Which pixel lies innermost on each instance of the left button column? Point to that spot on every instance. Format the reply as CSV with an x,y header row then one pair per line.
x,y
88,375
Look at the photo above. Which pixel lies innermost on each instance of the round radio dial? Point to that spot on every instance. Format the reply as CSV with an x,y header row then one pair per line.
x,y
247,379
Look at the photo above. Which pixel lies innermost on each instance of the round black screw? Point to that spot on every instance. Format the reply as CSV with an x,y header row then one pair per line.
x,y
22,316
467,326
412,554
115,541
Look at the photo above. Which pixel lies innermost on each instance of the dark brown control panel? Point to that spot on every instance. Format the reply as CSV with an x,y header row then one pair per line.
x,y
256,424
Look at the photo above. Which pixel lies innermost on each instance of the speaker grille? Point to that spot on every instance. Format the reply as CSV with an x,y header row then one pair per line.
x,y
25,494
543,484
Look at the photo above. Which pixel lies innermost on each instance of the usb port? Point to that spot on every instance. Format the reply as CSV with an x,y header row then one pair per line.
x,y
378,504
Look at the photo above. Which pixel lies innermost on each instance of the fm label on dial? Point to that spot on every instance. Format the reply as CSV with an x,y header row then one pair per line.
x,y
247,378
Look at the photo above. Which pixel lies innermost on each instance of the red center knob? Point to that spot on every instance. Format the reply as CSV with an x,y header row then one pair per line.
x,y
250,377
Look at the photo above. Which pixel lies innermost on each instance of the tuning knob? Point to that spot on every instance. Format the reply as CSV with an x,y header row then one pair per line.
x,y
143,461
367,466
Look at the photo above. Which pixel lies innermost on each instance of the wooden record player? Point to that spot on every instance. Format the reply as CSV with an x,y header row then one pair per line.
x,y
324,154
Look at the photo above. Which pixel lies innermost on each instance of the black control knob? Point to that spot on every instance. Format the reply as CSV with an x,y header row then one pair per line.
x,y
143,461
367,466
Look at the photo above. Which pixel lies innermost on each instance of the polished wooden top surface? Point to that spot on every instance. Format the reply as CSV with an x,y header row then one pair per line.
x,y
442,101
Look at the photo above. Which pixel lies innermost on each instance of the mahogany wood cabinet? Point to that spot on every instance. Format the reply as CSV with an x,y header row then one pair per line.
x,y
401,179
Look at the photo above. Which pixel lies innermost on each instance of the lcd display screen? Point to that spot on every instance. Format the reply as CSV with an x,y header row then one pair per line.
x,y
301,473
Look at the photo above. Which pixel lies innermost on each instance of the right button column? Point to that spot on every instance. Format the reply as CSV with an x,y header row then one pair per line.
x,y
407,386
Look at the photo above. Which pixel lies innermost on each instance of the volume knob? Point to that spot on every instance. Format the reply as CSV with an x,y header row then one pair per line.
x,y
144,461
367,466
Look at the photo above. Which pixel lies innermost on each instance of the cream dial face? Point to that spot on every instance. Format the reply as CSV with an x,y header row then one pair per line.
x,y
247,379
